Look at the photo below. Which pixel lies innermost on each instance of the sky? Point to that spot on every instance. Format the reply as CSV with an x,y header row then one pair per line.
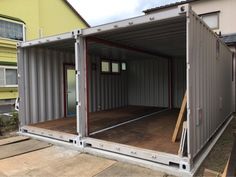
x,y
97,12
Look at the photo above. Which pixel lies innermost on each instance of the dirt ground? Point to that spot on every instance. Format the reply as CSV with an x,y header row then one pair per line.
x,y
8,135
218,157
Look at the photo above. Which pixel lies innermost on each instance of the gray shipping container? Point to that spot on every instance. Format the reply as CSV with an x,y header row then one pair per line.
x,y
140,67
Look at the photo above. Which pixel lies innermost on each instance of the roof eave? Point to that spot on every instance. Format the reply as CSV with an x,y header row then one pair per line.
x,y
75,11
11,18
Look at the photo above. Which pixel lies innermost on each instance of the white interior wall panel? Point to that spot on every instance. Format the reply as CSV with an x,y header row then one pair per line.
x,y
106,91
179,81
44,84
148,82
209,80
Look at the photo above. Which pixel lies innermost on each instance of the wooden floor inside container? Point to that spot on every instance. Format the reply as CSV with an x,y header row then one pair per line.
x,y
153,132
98,120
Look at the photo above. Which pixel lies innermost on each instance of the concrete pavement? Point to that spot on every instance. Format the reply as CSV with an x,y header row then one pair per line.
x,y
58,161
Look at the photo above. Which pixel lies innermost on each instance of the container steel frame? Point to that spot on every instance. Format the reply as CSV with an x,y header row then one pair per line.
x,y
174,164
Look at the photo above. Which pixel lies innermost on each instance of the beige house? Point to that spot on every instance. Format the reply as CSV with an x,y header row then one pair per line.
x,y
220,16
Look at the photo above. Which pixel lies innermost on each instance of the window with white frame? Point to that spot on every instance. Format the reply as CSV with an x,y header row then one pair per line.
x,y
115,67
123,66
8,76
112,66
11,29
105,66
211,19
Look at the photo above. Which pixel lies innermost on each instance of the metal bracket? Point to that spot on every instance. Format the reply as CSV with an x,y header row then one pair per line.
x,y
77,72
81,143
76,33
185,166
18,44
184,8
78,103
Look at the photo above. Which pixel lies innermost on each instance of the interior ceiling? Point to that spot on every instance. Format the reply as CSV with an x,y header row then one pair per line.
x,y
65,45
164,38
111,52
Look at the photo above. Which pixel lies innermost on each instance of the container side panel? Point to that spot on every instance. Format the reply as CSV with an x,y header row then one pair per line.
x,y
42,89
179,81
49,85
21,81
148,82
82,66
26,87
209,83
106,91
33,84
43,83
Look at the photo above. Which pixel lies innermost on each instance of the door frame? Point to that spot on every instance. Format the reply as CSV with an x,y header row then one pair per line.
x,y
65,67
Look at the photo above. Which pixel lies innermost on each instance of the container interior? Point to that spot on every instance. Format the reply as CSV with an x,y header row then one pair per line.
x,y
136,84
48,75
136,79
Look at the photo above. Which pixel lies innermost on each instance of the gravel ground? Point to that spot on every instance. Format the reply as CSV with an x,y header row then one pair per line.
x,y
220,153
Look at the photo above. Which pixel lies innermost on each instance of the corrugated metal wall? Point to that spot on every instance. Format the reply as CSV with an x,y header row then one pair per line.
x,y
148,82
42,93
107,91
209,81
145,83
179,81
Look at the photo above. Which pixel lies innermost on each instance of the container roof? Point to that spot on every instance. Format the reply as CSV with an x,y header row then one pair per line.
x,y
63,41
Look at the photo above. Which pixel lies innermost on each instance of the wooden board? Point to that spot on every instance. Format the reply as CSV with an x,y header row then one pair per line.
x,y
153,132
54,161
13,140
180,119
230,169
98,120
22,147
225,170
121,169
211,173
104,119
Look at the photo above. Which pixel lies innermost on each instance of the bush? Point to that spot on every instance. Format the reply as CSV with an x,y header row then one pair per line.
x,y
1,126
8,123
